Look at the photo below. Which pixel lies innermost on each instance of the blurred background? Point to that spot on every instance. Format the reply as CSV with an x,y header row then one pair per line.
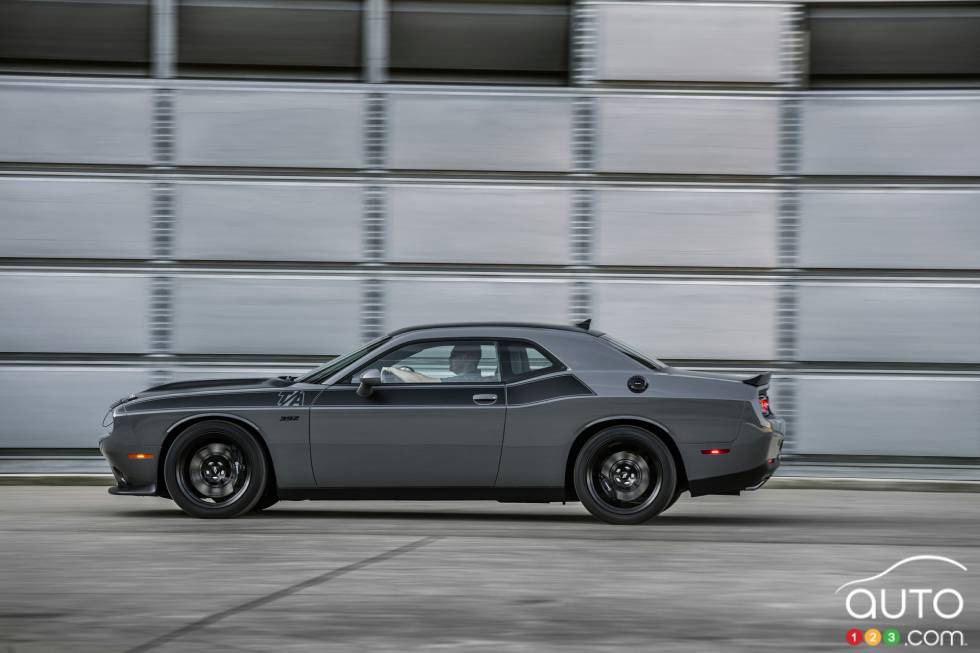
x,y
201,188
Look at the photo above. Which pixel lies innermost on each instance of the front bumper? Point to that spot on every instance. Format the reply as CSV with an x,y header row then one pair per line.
x,y
141,491
133,477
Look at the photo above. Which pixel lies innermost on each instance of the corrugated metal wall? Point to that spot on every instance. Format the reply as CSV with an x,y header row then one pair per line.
x,y
683,189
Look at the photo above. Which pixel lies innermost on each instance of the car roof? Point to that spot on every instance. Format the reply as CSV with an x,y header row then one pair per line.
x,y
508,325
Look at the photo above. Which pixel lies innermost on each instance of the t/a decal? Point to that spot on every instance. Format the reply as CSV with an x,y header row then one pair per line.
x,y
294,398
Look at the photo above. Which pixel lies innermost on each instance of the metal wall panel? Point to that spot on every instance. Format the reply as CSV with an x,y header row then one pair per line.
x,y
75,124
412,302
890,228
265,315
894,41
694,320
480,132
688,228
432,40
458,224
273,37
891,135
689,42
929,323
79,398
66,34
256,312
689,134
72,218
270,128
83,313
277,221
897,416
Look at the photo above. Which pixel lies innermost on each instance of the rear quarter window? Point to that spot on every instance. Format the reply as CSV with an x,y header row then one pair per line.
x,y
641,358
522,360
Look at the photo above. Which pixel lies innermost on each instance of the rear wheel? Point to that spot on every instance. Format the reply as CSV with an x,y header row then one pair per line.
x,y
215,469
625,475
677,495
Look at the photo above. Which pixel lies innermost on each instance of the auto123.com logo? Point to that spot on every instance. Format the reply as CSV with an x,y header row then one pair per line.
x,y
936,608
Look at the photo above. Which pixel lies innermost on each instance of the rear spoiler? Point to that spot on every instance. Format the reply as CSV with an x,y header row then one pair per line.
x,y
758,380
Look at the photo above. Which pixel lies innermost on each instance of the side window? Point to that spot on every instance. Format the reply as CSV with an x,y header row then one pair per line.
x,y
522,361
462,361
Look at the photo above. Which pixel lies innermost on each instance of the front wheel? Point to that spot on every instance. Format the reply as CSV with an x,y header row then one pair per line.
x,y
267,501
215,469
625,475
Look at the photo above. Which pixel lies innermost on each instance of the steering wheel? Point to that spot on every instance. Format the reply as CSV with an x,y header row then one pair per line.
x,y
405,368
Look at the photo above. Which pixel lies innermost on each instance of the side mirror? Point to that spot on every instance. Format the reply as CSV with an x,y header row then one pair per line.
x,y
369,379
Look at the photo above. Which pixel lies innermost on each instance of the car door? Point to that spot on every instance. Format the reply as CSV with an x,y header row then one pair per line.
x,y
436,420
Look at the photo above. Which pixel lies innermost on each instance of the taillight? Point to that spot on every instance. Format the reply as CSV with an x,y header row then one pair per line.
x,y
764,405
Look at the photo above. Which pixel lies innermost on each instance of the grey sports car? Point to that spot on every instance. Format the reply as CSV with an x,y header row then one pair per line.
x,y
504,411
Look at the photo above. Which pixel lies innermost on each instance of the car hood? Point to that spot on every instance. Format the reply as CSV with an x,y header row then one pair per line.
x,y
210,384
189,387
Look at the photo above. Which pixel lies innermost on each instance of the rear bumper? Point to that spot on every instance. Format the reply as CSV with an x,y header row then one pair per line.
x,y
755,455
750,479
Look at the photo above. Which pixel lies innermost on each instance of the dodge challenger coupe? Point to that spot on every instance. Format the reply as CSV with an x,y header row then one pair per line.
x,y
504,411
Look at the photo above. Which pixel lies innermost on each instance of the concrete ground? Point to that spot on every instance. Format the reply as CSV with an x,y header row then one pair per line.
x,y
853,468
84,571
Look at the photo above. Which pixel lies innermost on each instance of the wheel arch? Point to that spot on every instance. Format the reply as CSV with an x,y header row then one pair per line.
x,y
182,425
592,428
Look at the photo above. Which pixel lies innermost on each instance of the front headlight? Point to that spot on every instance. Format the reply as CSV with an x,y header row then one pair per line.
x,y
115,410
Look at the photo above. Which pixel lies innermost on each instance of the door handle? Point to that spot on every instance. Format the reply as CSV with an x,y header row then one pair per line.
x,y
485,400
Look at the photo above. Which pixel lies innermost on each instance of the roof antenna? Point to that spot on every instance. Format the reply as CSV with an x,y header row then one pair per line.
x,y
585,325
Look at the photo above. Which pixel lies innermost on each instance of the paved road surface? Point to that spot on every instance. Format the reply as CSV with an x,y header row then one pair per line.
x,y
83,571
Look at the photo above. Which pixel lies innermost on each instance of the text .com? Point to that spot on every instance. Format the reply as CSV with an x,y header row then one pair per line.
x,y
915,637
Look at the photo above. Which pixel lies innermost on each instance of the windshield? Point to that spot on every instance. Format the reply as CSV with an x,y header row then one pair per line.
x,y
326,371
638,356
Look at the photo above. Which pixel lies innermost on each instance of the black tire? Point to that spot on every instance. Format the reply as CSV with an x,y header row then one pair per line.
x,y
215,469
267,501
625,475
677,495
